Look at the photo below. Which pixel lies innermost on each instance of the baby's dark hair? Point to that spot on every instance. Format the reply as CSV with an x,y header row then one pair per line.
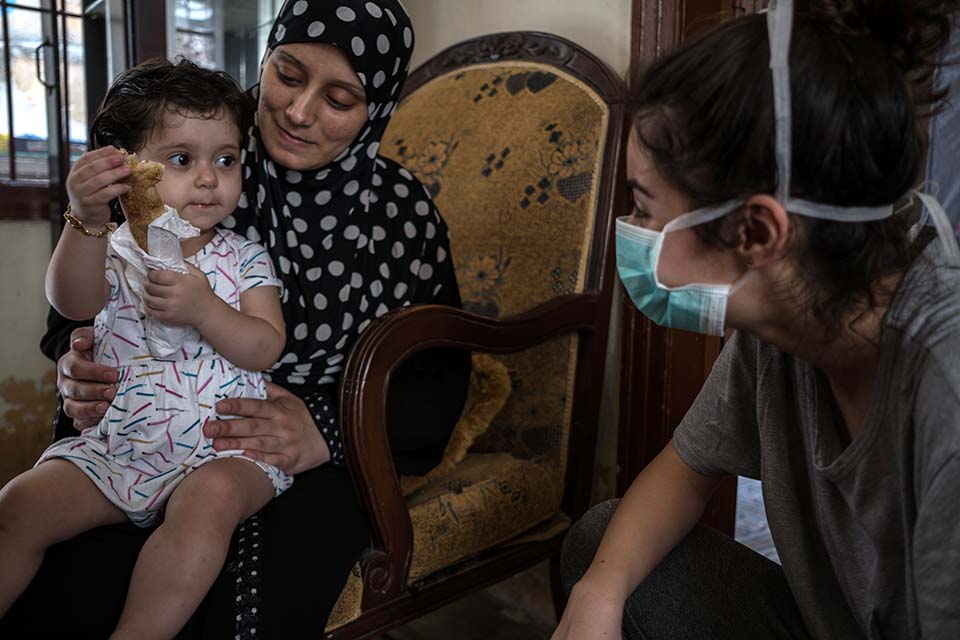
x,y
139,99
860,81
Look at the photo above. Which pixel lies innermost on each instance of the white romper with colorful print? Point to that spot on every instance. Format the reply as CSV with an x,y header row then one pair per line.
x,y
151,437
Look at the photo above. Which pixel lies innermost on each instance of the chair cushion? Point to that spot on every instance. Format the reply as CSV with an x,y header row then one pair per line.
x,y
485,500
489,389
347,607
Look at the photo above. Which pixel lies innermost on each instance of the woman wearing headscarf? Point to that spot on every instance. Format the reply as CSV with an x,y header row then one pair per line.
x,y
353,236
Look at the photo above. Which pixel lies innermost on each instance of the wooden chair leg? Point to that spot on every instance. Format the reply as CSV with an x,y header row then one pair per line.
x,y
556,586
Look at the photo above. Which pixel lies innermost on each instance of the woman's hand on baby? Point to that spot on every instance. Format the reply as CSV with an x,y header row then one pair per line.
x,y
92,184
279,431
592,612
87,388
179,298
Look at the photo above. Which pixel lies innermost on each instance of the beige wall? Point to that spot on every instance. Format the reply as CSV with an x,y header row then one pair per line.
x,y
601,26
26,377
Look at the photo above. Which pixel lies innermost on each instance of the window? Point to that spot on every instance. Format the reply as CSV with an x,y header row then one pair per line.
x,y
235,40
197,25
44,84
41,47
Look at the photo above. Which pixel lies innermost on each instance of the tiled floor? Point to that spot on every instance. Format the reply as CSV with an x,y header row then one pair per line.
x,y
521,608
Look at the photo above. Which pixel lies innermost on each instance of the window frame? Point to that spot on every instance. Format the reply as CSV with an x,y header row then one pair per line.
x,y
56,13
144,37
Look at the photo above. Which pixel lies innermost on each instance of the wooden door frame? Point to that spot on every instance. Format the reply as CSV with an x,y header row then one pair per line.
x,y
146,29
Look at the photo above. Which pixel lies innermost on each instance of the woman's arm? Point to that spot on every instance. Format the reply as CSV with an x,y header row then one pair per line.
x,y
58,339
427,394
279,431
251,338
424,402
660,508
428,391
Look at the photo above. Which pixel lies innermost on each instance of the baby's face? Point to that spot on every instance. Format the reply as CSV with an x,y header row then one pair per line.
x,y
201,161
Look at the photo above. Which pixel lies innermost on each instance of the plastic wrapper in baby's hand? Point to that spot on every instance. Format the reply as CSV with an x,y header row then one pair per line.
x,y
164,235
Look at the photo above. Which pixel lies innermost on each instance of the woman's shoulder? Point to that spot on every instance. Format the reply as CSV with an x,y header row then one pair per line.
x,y
922,340
926,307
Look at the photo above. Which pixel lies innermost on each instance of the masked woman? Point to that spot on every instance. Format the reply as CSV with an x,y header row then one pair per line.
x,y
840,386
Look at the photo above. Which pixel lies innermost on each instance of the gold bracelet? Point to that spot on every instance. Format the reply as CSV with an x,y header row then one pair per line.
x,y
77,224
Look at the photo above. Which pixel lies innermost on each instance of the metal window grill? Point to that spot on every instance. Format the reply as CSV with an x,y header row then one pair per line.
x,y
52,72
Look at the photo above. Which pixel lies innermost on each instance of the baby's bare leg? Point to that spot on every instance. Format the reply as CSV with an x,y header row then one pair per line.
x,y
45,505
183,557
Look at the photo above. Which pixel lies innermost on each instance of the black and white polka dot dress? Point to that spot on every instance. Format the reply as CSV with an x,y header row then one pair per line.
x,y
353,239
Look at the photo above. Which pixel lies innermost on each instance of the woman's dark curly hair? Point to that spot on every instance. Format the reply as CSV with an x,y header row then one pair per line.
x,y
139,99
861,83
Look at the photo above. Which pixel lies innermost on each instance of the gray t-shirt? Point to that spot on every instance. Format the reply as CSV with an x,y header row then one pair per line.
x,y
868,535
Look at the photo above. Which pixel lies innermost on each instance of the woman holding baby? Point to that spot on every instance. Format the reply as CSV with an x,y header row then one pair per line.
x,y
352,236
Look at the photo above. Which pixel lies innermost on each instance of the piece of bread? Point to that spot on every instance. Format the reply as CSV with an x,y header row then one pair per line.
x,y
142,204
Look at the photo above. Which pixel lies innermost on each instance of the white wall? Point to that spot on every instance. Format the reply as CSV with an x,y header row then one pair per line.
x,y
601,26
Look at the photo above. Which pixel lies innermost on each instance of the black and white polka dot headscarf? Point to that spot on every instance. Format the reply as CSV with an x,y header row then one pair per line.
x,y
360,236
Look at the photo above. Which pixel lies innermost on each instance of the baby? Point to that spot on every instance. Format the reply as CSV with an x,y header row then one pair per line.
x,y
147,461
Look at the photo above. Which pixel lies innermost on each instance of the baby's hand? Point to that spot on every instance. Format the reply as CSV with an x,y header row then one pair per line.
x,y
179,298
91,185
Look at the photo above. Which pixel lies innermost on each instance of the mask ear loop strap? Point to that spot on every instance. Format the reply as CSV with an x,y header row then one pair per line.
x,y
932,188
704,215
838,213
779,33
780,18
944,229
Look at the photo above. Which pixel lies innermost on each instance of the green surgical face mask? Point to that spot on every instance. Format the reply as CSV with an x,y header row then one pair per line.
x,y
700,308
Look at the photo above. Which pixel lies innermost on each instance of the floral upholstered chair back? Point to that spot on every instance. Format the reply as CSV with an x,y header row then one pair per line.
x,y
511,153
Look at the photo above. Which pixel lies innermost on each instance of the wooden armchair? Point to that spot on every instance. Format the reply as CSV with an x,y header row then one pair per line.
x,y
519,138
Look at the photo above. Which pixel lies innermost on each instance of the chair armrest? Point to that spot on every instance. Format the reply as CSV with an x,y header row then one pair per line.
x,y
379,350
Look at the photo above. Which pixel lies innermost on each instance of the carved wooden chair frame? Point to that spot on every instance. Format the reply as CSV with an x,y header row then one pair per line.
x,y
387,599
